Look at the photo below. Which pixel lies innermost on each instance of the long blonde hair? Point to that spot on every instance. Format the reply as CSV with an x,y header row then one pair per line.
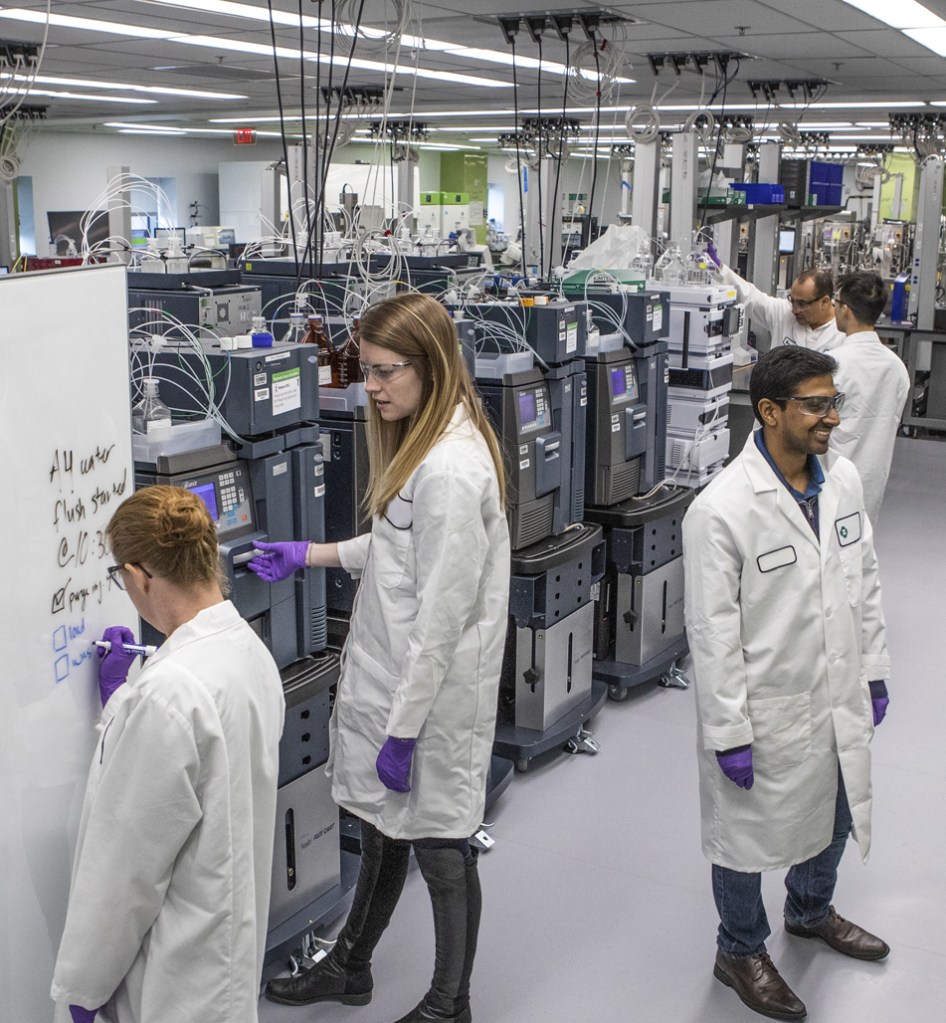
x,y
418,328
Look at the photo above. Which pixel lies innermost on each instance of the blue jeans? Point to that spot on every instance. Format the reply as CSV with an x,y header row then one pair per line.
x,y
743,925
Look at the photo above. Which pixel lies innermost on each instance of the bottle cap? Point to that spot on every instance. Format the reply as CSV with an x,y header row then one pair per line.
x,y
261,339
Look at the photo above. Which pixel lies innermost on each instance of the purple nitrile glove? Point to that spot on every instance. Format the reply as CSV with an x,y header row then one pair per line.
x,y
713,256
394,763
80,1015
113,668
736,764
878,700
279,560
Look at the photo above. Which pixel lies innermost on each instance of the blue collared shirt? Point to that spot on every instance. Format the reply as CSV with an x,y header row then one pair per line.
x,y
807,501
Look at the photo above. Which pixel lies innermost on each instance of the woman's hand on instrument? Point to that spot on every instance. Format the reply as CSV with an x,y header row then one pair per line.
x,y
279,560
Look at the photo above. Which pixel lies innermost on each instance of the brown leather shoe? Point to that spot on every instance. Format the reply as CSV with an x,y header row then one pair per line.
x,y
843,936
759,985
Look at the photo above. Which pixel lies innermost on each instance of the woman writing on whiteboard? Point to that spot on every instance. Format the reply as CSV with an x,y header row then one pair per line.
x,y
414,717
168,903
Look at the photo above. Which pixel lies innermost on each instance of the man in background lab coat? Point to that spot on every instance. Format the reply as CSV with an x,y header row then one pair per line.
x,y
804,318
787,635
875,383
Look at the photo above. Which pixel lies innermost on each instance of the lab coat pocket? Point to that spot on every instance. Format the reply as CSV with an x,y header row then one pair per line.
x,y
781,731
392,540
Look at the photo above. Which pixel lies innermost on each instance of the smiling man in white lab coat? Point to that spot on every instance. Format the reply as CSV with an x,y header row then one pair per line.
x,y
875,383
787,635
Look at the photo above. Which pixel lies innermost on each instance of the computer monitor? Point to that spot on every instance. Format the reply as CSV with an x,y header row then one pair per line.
x,y
786,241
65,233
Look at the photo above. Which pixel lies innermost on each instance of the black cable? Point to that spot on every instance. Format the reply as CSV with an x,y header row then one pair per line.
x,y
316,166
305,150
541,159
282,133
561,149
326,152
522,217
719,138
338,113
594,155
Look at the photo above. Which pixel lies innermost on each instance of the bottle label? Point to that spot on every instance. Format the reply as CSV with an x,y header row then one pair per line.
x,y
325,376
154,425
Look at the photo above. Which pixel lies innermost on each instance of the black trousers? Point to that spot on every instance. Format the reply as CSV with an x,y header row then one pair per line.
x,y
449,869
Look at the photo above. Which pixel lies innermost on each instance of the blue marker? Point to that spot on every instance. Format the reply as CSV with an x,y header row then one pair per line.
x,y
132,648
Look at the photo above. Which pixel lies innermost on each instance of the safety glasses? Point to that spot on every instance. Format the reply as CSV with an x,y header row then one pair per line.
x,y
817,404
384,371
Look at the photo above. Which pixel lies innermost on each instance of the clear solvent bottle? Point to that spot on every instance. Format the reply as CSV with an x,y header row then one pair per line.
x,y
297,329
150,413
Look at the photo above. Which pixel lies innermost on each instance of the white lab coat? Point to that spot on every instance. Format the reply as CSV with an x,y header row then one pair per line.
x,y
776,316
170,890
785,635
875,383
425,649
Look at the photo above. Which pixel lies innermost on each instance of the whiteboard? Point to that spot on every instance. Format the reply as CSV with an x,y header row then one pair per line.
x,y
65,465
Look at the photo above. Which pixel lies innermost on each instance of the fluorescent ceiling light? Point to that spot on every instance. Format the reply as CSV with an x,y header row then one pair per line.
x,y
154,128
87,96
94,84
899,14
253,13
932,38
237,46
874,105
116,28
143,128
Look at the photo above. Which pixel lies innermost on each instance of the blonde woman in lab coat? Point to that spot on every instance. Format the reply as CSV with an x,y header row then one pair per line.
x,y
412,728
168,906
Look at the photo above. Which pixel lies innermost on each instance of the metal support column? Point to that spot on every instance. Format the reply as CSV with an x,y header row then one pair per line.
x,y
684,171
764,239
644,197
119,212
406,162
536,181
726,233
627,171
926,244
9,228
302,202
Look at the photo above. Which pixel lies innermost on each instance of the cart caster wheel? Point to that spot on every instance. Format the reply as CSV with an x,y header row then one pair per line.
x,y
522,765
617,693
664,682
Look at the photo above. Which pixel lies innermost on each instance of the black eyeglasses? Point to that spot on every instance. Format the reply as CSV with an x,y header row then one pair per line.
x,y
817,404
804,303
114,572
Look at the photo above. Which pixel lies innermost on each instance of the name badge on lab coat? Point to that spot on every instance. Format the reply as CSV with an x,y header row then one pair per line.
x,y
848,529
781,557
400,513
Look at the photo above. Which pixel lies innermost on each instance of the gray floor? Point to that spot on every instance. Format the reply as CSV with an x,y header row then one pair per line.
x,y
596,896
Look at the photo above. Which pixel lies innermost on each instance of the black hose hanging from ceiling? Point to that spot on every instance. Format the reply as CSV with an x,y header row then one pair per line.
x,y
282,131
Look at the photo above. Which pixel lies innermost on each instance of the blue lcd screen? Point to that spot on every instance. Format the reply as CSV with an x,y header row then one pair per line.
x,y
618,382
207,494
528,412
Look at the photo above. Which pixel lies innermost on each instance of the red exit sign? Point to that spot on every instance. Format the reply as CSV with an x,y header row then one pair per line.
x,y
244,137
